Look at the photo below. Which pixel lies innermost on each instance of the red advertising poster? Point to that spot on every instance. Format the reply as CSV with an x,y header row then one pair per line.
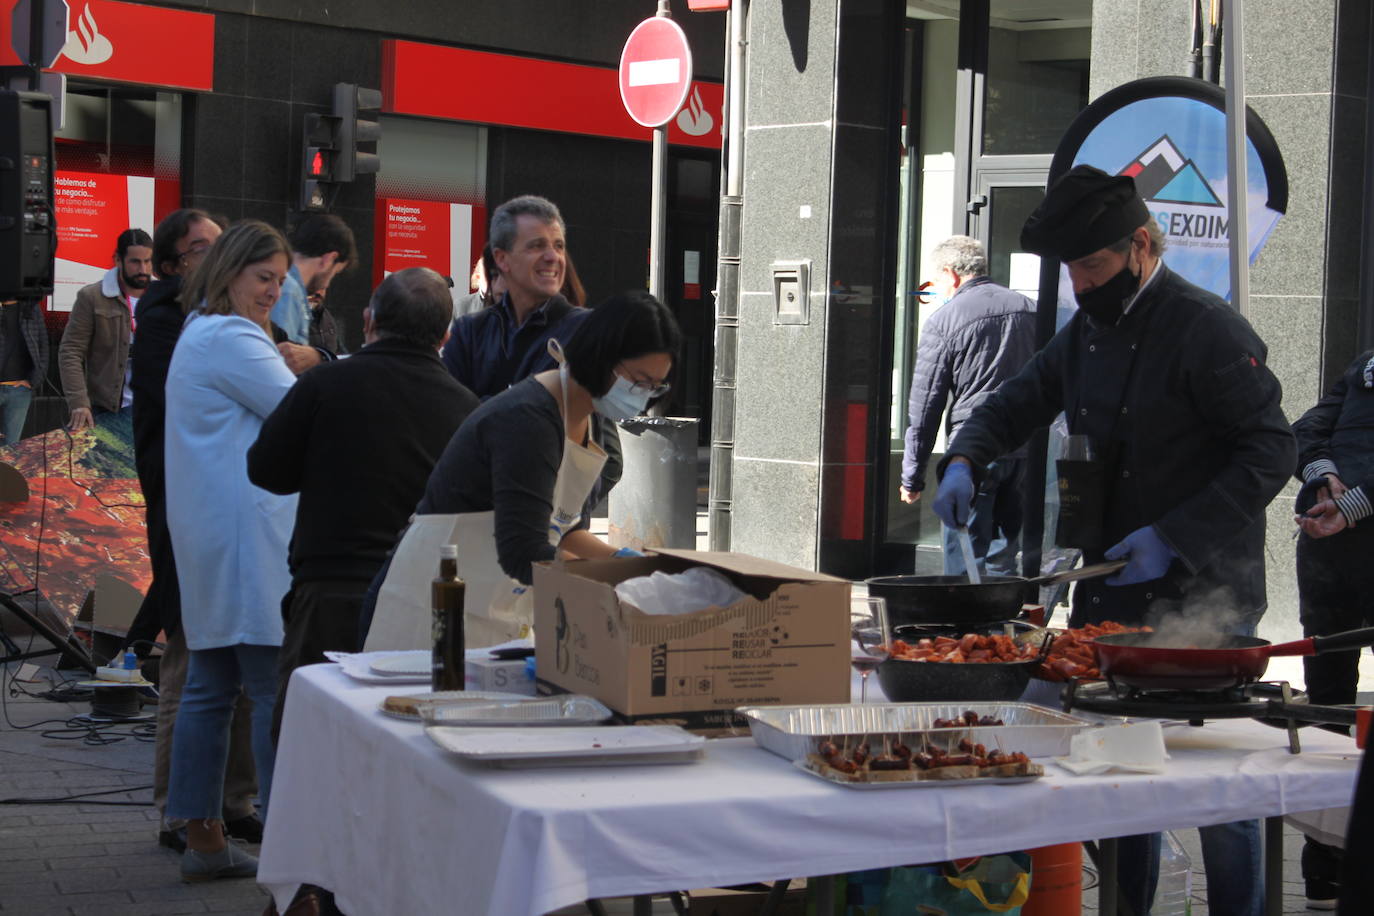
x,y
92,210
132,43
442,236
454,83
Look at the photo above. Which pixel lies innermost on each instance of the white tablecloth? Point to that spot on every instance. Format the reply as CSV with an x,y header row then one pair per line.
x,y
370,808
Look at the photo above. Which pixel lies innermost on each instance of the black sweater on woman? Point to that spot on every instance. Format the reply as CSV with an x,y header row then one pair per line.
x,y
506,458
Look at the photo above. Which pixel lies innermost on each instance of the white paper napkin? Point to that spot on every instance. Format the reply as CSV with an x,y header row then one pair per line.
x,y
1134,747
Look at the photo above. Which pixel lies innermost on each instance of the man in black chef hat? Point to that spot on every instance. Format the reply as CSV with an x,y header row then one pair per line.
x,y
1169,385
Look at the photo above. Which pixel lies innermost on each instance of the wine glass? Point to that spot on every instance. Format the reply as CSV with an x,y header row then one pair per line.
x,y
868,627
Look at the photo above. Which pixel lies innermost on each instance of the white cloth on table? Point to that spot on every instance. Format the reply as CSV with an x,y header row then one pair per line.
x,y
370,808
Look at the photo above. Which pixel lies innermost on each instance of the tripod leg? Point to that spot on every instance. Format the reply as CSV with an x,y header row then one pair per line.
x,y
63,644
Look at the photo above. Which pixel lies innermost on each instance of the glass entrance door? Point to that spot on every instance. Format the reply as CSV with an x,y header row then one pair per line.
x,y
991,86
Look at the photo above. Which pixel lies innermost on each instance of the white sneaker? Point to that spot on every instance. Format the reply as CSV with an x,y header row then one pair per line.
x,y
229,862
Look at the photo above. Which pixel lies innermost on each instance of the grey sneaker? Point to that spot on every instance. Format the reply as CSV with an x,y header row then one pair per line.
x,y
229,862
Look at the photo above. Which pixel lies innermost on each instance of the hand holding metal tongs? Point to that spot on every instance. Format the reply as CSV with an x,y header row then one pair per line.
x,y
970,563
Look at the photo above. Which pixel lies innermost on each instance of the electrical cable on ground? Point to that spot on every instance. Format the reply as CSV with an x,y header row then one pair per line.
x,y
82,798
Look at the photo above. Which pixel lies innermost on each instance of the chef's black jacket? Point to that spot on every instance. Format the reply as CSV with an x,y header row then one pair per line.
x,y
1181,408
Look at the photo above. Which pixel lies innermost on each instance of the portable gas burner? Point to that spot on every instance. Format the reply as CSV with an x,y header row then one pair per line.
x,y
1274,703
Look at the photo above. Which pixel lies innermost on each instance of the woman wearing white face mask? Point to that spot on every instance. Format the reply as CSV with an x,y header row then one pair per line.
x,y
516,483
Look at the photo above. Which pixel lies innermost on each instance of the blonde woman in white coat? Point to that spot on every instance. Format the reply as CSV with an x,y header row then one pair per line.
x,y
230,537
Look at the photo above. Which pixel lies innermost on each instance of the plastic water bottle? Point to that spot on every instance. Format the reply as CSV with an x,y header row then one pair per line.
x,y
1174,892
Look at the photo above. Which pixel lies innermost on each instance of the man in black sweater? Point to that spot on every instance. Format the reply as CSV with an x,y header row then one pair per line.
x,y
357,439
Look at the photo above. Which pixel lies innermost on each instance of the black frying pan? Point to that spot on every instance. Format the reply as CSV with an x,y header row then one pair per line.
x,y
953,599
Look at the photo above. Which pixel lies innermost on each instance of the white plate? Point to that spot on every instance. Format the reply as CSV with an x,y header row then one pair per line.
x,y
402,664
918,783
582,746
454,697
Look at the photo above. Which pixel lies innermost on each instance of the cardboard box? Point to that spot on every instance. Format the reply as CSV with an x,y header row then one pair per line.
x,y
786,643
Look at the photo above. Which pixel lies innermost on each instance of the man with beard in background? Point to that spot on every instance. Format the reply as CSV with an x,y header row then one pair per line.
x,y
94,353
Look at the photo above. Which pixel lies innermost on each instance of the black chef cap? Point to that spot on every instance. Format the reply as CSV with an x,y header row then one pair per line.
x,y
1084,211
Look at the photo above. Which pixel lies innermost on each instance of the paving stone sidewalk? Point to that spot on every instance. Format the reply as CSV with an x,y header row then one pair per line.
x,y
86,859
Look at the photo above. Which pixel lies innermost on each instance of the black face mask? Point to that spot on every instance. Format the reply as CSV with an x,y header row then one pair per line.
x,y
1106,303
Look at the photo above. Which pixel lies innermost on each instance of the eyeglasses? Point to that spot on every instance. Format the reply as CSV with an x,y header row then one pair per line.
x,y
197,249
649,386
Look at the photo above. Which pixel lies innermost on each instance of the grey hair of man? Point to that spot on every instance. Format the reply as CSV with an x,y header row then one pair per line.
x,y
412,305
962,254
1158,242
503,221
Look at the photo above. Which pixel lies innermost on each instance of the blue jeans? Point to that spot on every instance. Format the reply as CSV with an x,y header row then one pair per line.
x,y
14,408
994,523
1232,857
200,743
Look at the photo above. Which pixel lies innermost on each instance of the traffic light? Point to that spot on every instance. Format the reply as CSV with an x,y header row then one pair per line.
x,y
28,223
350,161
320,155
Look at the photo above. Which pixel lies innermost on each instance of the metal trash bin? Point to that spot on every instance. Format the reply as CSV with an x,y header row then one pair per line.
x,y
655,503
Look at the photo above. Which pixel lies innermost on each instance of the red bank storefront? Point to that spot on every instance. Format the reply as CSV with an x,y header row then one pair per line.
x,y
118,152
153,121
436,213
463,130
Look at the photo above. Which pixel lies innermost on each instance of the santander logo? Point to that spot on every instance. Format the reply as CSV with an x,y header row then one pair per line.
x,y
86,45
694,119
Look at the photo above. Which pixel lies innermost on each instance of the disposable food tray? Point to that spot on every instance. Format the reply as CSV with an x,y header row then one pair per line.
x,y
795,731
551,711
581,746
806,767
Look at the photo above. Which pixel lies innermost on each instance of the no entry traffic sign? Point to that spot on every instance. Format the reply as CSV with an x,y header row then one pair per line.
x,y
655,71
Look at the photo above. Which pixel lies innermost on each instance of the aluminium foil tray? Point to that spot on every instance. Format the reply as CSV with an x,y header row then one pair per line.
x,y
793,732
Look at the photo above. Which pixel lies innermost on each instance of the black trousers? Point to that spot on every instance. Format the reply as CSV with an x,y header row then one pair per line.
x,y
1357,878
318,617
1335,593
161,607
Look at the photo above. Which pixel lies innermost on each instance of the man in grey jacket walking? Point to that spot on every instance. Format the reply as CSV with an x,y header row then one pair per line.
x,y
982,335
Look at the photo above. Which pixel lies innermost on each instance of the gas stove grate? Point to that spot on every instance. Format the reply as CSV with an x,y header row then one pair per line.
x,y
1274,703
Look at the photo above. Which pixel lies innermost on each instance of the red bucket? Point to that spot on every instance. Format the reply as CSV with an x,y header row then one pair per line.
x,y
1056,881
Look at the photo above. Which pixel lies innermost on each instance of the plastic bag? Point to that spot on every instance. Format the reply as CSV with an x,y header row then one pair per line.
x,y
989,884
679,593
994,884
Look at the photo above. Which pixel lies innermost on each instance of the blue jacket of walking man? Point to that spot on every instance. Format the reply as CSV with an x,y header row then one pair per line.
x,y
982,335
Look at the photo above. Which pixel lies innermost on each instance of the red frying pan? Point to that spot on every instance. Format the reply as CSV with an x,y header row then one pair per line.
x,y
1130,659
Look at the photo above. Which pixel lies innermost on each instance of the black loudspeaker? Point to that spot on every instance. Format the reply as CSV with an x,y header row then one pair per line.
x,y
28,224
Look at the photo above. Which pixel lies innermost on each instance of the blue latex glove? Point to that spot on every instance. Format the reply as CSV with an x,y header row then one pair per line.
x,y
954,497
1147,557
627,552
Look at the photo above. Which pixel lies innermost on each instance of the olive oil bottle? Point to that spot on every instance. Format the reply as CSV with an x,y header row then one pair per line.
x,y
447,666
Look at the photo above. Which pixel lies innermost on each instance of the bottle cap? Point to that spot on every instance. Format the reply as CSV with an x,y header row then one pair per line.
x,y
449,551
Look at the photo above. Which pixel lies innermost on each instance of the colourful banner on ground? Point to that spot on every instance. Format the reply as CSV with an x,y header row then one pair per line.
x,y
83,518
